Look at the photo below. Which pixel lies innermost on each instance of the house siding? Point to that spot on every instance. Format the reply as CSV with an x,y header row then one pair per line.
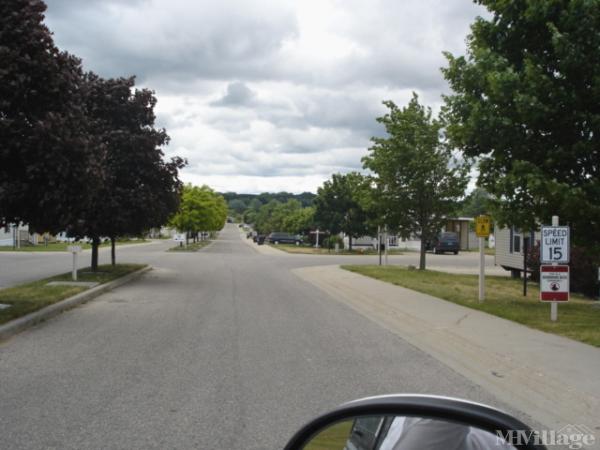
x,y
504,257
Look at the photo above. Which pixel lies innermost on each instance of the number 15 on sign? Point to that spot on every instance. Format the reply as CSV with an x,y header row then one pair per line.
x,y
555,245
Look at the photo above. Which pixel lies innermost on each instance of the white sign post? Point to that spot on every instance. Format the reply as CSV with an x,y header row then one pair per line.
x,y
179,238
482,229
318,232
74,249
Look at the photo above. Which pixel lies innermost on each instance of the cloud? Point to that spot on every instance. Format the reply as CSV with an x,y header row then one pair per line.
x,y
238,94
254,93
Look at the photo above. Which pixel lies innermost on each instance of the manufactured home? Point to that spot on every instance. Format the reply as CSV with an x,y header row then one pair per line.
x,y
510,247
14,235
461,225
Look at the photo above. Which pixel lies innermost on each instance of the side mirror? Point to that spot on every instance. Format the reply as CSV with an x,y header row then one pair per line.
x,y
409,422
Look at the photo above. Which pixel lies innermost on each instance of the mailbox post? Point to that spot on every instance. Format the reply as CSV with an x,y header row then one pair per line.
x,y
74,249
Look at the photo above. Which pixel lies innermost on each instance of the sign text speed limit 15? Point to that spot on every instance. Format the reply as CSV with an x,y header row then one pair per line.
x,y
555,245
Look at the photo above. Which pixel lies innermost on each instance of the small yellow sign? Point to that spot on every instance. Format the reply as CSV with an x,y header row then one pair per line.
x,y
482,226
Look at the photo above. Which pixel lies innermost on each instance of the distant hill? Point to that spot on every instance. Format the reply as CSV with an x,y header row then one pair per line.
x,y
240,202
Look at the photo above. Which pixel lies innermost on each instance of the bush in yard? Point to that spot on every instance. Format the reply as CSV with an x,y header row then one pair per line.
x,y
332,240
583,269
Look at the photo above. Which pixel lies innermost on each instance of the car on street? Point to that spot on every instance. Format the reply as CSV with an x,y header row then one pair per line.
x,y
278,237
443,243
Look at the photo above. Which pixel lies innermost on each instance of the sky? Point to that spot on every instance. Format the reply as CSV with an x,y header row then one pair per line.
x,y
266,96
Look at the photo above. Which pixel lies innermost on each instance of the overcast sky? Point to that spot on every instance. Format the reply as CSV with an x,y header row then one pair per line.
x,y
268,95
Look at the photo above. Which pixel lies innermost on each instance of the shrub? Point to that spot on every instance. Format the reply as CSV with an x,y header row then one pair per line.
x,y
583,269
330,242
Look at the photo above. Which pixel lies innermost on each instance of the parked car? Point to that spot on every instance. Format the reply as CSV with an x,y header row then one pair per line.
x,y
278,237
445,242
260,239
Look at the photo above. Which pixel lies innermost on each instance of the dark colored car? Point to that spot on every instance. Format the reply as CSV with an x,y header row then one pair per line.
x,y
260,239
283,238
445,242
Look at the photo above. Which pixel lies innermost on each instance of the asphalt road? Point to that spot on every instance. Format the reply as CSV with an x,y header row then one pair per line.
x,y
20,267
220,349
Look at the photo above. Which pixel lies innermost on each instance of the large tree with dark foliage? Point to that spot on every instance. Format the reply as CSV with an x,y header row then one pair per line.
x,y
46,170
527,102
139,190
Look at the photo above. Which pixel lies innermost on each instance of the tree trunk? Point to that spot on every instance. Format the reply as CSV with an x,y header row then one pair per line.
x,y
349,242
113,256
95,244
422,257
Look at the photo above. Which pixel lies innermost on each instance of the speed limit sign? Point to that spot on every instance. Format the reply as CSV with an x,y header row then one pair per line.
x,y
555,245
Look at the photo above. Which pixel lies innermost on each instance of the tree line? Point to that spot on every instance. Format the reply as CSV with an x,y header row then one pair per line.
x,y
79,153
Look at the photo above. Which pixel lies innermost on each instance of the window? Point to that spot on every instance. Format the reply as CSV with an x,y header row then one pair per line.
x,y
514,244
517,244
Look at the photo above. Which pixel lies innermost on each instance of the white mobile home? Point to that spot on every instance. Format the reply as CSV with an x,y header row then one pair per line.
x,y
459,225
14,235
510,244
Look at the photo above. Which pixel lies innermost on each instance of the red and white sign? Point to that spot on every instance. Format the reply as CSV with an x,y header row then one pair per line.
x,y
554,283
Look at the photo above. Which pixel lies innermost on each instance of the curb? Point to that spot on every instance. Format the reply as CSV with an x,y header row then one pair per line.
x,y
17,325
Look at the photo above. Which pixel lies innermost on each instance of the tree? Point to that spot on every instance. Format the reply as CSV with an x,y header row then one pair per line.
x,y
139,190
300,221
237,206
201,209
476,203
418,180
527,102
338,208
46,168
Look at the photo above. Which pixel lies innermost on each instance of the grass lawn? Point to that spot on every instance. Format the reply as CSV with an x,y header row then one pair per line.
x,y
578,319
306,250
29,297
193,247
334,437
62,246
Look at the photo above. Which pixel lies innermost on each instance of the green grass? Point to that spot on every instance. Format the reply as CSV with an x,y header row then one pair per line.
x,y
578,319
334,437
306,250
29,297
192,247
63,246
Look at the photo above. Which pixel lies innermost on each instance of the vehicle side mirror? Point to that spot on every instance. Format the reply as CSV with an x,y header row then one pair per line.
x,y
407,422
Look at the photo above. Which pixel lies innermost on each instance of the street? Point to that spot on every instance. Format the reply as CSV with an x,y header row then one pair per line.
x,y
225,348
20,267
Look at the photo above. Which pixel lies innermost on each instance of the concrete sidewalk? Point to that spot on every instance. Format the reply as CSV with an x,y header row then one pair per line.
x,y
554,379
